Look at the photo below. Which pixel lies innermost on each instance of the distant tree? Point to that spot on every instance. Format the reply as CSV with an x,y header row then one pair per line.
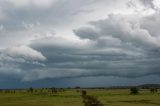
x,y
134,91
30,89
153,90
53,90
77,87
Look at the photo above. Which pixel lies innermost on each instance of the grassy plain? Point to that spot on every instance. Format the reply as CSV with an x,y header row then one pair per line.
x,y
122,97
70,97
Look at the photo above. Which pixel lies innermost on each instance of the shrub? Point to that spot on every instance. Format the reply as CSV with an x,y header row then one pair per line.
x,y
134,91
91,101
84,93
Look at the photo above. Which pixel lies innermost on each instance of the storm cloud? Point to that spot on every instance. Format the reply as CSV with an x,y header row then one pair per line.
x,y
60,39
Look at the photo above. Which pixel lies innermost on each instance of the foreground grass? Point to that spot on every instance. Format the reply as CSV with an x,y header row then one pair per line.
x,y
68,98
109,97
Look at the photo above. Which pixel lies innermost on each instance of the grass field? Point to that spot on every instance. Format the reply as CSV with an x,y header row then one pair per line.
x,y
109,97
122,97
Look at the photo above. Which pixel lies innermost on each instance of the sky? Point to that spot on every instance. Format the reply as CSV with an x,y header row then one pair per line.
x,y
89,43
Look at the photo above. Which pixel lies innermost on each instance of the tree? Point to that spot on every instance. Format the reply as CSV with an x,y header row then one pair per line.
x,y
77,87
153,90
30,89
134,91
54,90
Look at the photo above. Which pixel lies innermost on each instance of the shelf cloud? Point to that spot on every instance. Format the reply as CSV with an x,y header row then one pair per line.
x,y
56,39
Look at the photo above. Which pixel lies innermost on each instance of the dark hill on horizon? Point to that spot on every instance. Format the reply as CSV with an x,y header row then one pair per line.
x,y
149,86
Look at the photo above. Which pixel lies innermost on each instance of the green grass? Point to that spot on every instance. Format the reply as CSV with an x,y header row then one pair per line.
x,y
122,97
112,97
67,98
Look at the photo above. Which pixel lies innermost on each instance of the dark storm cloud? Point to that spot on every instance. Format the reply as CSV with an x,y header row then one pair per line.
x,y
16,61
115,48
119,45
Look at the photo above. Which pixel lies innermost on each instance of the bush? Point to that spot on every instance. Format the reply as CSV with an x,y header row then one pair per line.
x,y
84,93
91,101
134,91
